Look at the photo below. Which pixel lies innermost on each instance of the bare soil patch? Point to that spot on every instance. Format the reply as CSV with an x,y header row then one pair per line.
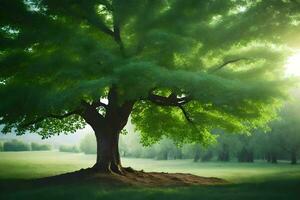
x,y
133,178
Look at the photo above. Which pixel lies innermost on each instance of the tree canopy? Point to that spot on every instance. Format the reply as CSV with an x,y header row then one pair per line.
x,y
187,67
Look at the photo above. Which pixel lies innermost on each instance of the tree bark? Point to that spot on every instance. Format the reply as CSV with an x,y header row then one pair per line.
x,y
108,157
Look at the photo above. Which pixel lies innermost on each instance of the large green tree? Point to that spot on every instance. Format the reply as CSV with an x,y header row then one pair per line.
x,y
180,68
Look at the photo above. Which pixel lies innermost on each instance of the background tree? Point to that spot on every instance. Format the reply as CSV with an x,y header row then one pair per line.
x,y
287,129
247,147
166,149
271,145
179,68
88,144
227,146
69,148
16,145
1,146
40,147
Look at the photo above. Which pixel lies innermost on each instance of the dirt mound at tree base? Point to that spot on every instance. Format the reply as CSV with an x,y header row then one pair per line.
x,y
136,178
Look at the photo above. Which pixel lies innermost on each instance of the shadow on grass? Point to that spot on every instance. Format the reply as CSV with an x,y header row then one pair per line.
x,y
28,189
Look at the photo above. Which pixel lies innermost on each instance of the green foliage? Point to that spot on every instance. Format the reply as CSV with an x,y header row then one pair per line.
x,y
16,145
1,146
54,54
40,147
69,148
88,144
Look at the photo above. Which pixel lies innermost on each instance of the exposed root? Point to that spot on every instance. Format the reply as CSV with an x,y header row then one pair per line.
x,y
129,170
110,169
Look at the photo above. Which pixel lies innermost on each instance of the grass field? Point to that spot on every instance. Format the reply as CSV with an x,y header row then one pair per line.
x,y
246,181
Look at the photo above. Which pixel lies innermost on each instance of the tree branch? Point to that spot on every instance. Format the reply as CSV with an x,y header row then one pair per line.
x,y
99,104
97,23
186,115
91,115
117,31
227,63
94,20
40,119
117,37
171,100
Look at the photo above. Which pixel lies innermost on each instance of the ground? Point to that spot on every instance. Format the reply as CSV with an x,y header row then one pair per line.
x,y
245,181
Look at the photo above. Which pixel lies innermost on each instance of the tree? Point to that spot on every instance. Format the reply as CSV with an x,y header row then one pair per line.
x,y
69,148
166,149
88,144
226,146
40,147
271,145
179,68
286,130
16,145
246,151
197,152
1,146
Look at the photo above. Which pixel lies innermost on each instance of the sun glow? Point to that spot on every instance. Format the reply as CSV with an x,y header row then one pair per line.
x,y
293,65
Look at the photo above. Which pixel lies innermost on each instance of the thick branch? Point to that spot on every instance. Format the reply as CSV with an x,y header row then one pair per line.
x,y
99,104
171,100
117,30
97,23
227,63
117,37
94,20
91,115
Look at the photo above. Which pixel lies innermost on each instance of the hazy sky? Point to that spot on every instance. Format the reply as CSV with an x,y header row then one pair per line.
x,y
71,139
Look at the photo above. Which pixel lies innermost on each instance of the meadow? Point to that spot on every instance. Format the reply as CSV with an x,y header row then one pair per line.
x,y
257,180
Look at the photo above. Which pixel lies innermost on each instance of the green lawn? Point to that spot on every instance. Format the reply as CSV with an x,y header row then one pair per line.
x,y
247,181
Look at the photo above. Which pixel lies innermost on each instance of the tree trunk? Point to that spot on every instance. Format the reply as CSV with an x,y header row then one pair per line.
x,y
108,156
268,157
293,158
274,158
107,128
197,155
224,153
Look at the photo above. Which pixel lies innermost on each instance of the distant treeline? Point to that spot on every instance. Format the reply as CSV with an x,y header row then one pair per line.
x,y
87,146
271,147
228,147
69,148
17,145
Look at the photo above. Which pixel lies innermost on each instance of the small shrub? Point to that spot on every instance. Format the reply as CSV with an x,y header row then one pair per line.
x,y
40,147
16,145
68,148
